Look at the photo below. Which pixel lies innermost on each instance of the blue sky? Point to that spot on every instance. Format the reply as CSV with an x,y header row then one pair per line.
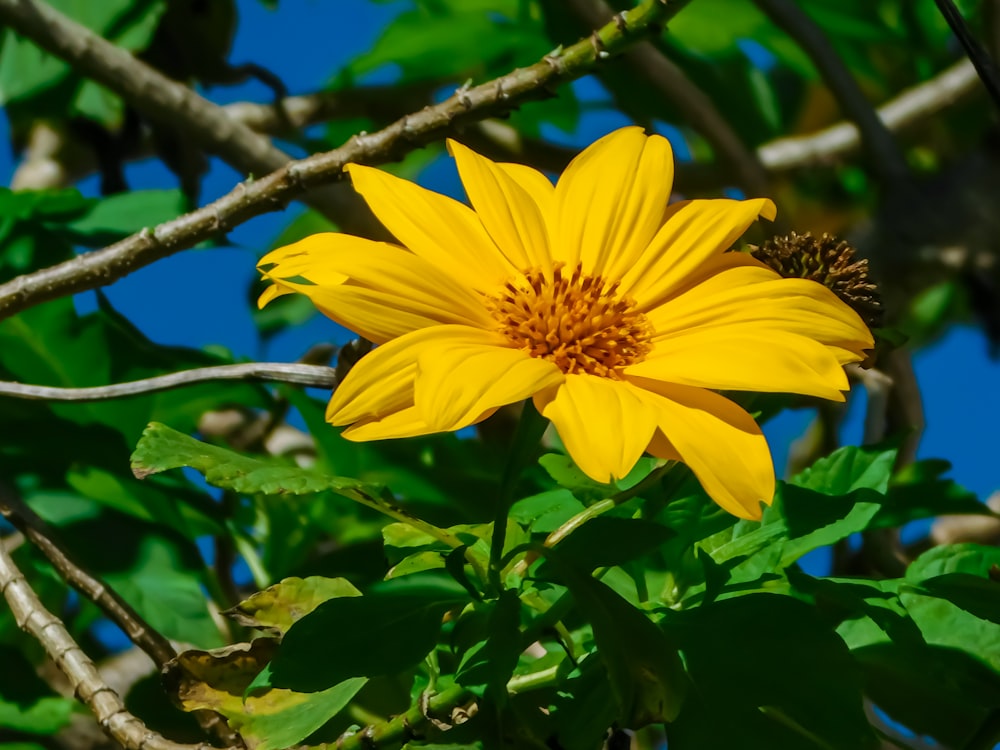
x,y
305,43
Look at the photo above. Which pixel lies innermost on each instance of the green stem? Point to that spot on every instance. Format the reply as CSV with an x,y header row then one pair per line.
x,y
529,432
592,511
401,727
396,513
523,683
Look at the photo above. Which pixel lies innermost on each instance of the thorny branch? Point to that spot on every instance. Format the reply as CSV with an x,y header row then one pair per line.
x,y
823,147
106,705
54,159
316,376
646,61
273,191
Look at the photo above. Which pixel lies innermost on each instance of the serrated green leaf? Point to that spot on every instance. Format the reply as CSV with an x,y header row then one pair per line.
x,y
162,448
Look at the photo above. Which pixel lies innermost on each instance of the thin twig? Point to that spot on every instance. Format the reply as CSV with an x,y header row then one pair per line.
x,y
886,156
120,612
88,685
649,63
985,66
316,376
273,191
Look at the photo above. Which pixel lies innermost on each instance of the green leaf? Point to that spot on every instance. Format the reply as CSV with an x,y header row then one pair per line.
x,y
796,688
169,597
269,719
27,704
278,607
920,491
566,474
851,469
387,630
607,541
976,595
455,43
162,448
488,665
147,502
26,71
644,668
834,498
547,511
120,215
934,690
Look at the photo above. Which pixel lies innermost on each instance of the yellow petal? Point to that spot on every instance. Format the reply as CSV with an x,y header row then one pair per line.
x,y
459,380
605,424
660,447
272,292
382,381
399,424
746,357
508,212
534,183
719,442
753,296
610,201
378,290
694,232
440,230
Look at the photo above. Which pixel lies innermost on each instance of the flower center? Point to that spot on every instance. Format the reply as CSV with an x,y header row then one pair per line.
x,y
576,321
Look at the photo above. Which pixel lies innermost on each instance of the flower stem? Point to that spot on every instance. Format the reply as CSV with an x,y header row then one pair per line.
x,y
529,432
592,511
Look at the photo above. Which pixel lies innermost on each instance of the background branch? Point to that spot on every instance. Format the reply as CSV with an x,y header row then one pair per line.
x,y
316,376
648,62
88,685
273,191
985,66
55,159
881,148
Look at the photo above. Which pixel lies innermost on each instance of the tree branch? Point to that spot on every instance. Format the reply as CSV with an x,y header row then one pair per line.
x,y
908,108
54,159
120,612
316,376
272,192
886,156
821,148
168,102
88,685
650,63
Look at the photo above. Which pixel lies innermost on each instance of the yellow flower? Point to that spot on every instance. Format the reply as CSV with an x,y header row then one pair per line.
x,y
615,312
